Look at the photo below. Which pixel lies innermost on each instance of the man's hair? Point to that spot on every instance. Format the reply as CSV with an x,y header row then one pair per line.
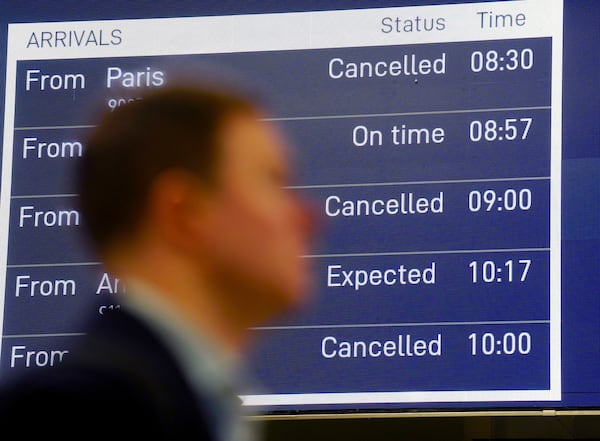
x,y
173,128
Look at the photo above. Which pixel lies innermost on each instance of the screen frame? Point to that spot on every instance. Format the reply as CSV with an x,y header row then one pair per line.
x,y
571,58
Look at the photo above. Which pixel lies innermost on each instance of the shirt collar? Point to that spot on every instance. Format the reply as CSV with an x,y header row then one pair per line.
x,y
213,373
193,349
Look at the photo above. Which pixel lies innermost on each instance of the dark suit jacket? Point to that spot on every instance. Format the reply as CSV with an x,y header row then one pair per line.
x,y
120,382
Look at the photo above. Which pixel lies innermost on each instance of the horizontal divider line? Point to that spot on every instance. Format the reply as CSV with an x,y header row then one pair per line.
x,y
357,325
317,256
430,112
43,265
81,126
58,334
34,196
411,253
396,325
444,181
365,184
321,117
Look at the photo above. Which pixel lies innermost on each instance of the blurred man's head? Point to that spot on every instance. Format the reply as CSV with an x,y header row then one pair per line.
x,y
188,186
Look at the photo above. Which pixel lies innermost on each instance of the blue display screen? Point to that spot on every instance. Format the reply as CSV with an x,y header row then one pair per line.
x,y
452,151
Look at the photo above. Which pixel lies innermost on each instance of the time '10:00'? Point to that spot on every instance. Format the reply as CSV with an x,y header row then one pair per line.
x,y
507,344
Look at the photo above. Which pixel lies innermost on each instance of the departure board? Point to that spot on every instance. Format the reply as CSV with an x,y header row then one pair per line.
x,y
428,137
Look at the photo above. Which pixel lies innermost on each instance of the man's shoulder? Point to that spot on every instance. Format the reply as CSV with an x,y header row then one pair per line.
x,y
119,378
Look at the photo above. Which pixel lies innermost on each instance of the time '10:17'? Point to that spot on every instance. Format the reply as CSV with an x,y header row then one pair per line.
x,y
489,271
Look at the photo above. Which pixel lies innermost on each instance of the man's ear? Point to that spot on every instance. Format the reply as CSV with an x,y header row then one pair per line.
x,y
179,208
